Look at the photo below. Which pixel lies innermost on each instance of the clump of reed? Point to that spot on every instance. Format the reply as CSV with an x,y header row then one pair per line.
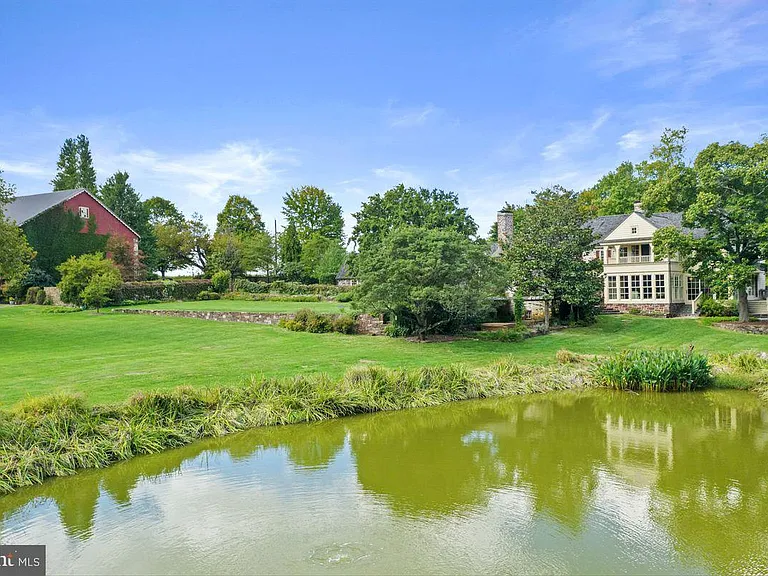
x,y
655,370
743,370
60,434
564,356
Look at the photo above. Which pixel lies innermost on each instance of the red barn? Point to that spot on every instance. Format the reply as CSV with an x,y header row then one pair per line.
x,y
81,202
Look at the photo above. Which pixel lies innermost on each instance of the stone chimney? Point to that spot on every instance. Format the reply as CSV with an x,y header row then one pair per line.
x,y
506,227
638,207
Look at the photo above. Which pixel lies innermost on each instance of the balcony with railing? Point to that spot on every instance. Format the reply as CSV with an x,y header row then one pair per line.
x,y
627,254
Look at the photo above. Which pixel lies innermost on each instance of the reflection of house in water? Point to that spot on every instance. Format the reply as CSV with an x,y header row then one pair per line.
x,y
637,450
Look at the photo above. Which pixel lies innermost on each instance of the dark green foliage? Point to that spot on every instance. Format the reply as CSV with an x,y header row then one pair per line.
x,y
401,206
221,281
546,257
56,236
32,294
272,297
655,371
516,334
293,272
428,280
307,320
59,435
282,287
208,295
519,307
708,306
38,277
40,299
162,290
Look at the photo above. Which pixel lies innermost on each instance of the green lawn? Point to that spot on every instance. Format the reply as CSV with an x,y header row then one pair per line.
x,y
249,306
108,356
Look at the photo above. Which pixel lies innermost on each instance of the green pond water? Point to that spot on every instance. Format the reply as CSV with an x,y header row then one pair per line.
x,y
594,482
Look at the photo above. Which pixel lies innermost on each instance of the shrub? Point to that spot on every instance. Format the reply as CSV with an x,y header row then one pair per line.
x,y
77,272
396,331
40,298
32,294
243,285
345,324
655,370
568,357
515,334
221,280
100,290
208,295
307,320
283,287
710,307
345,296
271,297
162,290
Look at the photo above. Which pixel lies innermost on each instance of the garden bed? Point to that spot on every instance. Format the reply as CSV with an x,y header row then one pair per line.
x,y
745,327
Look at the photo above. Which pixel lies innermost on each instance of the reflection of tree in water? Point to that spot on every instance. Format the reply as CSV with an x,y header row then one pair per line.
x,y
76,496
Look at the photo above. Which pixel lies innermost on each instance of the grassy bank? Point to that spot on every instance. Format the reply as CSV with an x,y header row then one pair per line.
x,y
109,357
58,435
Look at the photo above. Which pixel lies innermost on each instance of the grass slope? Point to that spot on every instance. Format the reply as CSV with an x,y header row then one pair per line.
x,y
110,356
266,306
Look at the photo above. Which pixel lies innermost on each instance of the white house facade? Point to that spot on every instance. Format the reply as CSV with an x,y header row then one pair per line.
x,y
635,280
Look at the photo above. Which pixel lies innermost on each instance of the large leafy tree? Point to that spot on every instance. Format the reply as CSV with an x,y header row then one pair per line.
x,y
670,179
319,255
199,242
15,252
545,257
401,206
614,193
239,216
172,236
313,212
732,205
427,279
120,196
74,168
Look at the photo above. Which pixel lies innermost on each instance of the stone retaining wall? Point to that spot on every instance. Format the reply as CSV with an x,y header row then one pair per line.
x,y
748,327
366,324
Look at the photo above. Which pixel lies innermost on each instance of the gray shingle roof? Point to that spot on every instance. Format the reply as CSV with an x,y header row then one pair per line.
x,y
602,226
24,208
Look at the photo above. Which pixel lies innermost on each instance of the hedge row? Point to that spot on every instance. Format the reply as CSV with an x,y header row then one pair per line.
x,y
162,290
282,287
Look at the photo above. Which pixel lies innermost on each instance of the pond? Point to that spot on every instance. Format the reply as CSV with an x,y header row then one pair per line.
x,y
595,482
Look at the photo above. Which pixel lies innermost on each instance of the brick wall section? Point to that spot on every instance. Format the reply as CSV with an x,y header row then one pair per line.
x,y
365,324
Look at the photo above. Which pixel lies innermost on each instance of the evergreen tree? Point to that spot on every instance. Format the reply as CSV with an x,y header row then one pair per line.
x,y
290,247
86,171
67,176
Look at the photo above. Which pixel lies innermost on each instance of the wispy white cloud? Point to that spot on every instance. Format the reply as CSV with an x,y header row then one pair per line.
x,y
23,168
683,43
397,175
580,135
410,117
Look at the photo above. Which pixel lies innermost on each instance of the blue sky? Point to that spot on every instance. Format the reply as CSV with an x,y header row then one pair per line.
x,y
199,100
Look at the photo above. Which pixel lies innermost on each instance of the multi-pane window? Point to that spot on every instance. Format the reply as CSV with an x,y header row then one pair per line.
x,y
613,292
624,287
647,287
84,212
661,292
677,287
694,288
635,283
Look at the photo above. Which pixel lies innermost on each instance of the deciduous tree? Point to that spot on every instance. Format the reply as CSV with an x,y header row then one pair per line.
x,y
732,206
401,206
239,216
313,212
545,257
15,252
428,279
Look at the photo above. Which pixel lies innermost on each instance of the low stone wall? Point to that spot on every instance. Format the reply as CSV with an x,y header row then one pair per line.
x,y
366,324
747,327
53,294
650,309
